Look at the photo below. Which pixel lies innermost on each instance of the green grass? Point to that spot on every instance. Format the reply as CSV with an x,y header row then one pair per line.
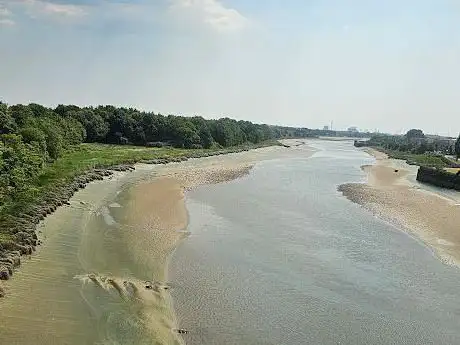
x,y
88,156
426,159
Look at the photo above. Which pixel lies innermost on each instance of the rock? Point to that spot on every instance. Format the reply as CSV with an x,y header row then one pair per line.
x,y
7,245
9,267
25,250
2,292
22,236
6,261
4,273
15,257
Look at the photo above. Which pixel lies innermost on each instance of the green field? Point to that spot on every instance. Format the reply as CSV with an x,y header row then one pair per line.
x,y
88,156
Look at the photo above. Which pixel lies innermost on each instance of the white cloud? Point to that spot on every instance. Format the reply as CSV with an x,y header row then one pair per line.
x,y
5,16
212,13
60,9
4,12
6,22
45,7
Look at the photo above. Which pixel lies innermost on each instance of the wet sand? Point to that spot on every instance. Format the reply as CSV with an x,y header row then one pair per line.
x,y
389,194
100,276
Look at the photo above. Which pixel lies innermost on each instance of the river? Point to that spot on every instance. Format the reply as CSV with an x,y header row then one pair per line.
x,y
280,257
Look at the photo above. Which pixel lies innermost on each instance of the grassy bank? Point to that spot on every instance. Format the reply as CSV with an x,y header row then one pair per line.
x,y
59,180
425,159
85,157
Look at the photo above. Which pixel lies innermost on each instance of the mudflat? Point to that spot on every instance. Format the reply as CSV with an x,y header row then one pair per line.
x,y
389,194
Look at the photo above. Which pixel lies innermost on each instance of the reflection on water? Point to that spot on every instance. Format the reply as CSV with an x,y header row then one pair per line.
x,y
280,257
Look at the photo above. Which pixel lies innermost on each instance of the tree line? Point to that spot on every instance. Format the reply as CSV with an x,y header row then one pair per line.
x,y
414,141
33,135
55,129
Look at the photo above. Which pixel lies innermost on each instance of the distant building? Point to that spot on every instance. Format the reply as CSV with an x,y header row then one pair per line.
x,y
353,129
325,128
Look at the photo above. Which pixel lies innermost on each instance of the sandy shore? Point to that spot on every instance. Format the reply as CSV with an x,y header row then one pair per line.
x,y
391,195
101,274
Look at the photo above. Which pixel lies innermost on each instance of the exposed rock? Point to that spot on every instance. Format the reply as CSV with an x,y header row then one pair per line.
x,y
6,261
4,273
181,331
25,250
21,236
14,258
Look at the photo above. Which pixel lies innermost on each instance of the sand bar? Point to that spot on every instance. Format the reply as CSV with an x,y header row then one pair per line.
x,y
392,195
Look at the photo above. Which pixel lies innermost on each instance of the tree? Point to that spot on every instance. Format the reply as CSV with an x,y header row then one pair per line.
x,y
22,115
203,131
54,136
34,134
7,123
415,134
457,147
19,163
96,128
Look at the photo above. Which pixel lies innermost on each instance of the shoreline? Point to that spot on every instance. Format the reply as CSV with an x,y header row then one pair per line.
x,y
23,226
130,266
390,195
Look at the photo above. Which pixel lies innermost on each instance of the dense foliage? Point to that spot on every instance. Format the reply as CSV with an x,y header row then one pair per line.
x,y
65,125
416,148
414,142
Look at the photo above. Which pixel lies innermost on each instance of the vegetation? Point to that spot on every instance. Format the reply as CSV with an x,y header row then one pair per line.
x,y
414,147
424,159
439,177
46,154
457,147
35,139
415,134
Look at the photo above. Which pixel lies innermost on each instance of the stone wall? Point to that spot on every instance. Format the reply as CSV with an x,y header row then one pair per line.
x,y
439,178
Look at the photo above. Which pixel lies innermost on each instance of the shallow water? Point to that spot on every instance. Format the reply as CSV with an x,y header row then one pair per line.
x,y
281,257
99,277
86,284
278,257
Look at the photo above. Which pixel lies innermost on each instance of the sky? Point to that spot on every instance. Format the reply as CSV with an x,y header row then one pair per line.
x,y
388,65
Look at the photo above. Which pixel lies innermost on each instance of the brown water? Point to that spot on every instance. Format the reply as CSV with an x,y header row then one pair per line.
x,y
87,283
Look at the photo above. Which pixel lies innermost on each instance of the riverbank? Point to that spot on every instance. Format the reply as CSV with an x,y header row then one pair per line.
x,y
60,180
390,194
100,275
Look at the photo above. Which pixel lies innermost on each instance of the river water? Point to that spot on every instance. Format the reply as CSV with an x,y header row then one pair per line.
x,y
276,257
281,257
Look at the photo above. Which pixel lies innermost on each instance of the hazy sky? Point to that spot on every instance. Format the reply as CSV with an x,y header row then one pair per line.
x,y
386,64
